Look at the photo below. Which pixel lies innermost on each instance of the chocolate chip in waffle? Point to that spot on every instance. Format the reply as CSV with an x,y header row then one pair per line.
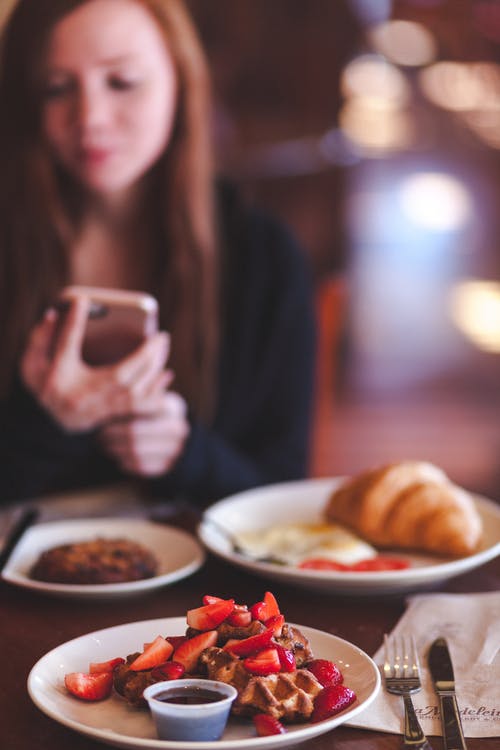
x,y
287,696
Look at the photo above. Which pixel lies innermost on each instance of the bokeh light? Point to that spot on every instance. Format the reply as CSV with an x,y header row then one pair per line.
x,y
435,201
404,42
461,86
475,310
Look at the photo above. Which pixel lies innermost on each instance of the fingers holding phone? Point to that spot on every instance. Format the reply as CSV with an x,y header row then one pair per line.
x,y
36,358
149,446
81,396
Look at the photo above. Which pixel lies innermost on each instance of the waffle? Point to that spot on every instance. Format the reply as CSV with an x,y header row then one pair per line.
x,y
131,685
292,639
287,696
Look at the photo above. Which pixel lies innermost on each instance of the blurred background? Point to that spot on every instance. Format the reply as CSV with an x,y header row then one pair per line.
x,y
372,128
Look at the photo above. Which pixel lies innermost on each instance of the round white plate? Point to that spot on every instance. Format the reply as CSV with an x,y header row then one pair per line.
x,y
305,501
179,554
116,723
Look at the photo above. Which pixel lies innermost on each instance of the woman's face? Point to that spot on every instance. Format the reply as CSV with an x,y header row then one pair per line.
x,y
110,94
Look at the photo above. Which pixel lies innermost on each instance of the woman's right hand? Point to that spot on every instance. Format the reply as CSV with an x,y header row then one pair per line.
x,y
80,397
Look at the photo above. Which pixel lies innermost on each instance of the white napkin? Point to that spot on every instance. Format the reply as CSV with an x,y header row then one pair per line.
x,y
471,625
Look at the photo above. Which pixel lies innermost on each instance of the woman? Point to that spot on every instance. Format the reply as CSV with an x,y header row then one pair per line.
x,y
107,180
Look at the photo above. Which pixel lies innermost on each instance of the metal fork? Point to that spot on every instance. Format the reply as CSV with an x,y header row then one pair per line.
x,y
401,673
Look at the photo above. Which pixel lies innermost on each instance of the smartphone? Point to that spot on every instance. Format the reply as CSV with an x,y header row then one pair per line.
x,y
118,322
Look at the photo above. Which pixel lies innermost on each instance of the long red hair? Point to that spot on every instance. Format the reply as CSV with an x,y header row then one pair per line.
x,y
38,203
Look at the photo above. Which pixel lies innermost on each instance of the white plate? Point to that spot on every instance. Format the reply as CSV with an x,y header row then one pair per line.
x,y
114,722
179,554
305,501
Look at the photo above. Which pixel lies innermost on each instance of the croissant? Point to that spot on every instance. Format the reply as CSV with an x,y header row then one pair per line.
x,y
410,504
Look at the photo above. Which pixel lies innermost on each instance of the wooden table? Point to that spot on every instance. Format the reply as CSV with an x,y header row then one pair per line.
x,y
31,625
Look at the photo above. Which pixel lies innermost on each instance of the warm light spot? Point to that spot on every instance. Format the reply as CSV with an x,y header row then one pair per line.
x,y
373,124
404,42
475,309
462,86
372,76
436,201
485,125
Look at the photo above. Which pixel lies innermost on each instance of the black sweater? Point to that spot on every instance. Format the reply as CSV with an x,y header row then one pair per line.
x,y
260,433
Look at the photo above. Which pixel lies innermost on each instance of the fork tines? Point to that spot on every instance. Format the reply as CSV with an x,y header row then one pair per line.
x,y
401,661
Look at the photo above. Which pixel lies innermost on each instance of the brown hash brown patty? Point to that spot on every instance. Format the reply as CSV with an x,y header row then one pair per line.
x,y
95,561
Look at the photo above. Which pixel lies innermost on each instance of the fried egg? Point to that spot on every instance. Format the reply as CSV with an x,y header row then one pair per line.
x,y
295,542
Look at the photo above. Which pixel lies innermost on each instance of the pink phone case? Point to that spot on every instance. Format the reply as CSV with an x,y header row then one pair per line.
x,y
118,322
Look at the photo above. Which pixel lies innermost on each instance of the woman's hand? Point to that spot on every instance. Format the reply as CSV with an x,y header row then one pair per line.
x,y
80,397
149,445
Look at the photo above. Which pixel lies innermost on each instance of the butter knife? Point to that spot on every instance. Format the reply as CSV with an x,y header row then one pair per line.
x,y
25,520
441,670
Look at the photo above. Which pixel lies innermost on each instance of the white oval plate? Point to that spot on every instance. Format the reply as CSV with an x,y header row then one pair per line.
x,y
179,554
114,722
305,501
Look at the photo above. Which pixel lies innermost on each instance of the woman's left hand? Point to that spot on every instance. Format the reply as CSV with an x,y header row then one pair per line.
x,y
149,445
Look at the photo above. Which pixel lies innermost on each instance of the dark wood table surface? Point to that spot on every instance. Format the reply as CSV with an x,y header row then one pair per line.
x,y
31,625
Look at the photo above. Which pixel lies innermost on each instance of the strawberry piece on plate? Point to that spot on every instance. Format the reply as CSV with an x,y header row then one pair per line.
x,y
210,616
265,609
276,623
105,666
176,640
209,599
332,700
320,563
286,657
189,652
267,725
156,653
325,672
251,645
89,687
240,618
263,663
169,670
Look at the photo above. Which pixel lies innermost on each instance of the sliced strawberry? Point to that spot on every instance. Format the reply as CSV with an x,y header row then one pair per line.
x,y
331,700
105,666
210,616
263,663
265,609
267,725
156,653
271,604
320,563
381,563
276,623
286,657
189,652
208,599
89,687
240,618
258,611
230,643
176,640
325,672
251,645
169,670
